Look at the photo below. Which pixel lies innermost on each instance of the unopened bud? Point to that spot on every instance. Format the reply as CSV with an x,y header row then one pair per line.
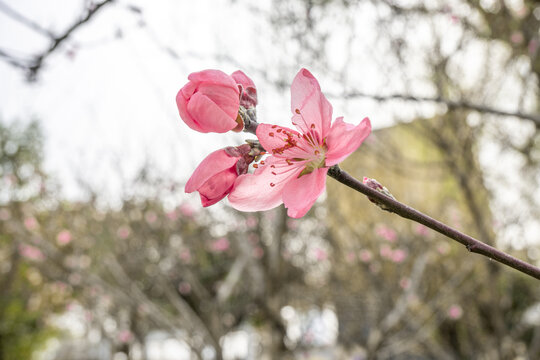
x,y
375,185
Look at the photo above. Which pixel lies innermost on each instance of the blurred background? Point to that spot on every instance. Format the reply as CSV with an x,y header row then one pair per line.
x,y
103,256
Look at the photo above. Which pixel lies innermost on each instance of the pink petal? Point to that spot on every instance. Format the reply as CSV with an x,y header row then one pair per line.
x,y
213,164
344,139
225,98
217,77
217,186
307,98
263,189
181,101
278,140
208,116
242,79
300,194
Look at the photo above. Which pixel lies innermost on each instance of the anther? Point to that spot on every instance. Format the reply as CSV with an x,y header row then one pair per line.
x,y
272,184
271,134
313,126
255,166
274,126
262,162
273,166
297,111
278,130
274,173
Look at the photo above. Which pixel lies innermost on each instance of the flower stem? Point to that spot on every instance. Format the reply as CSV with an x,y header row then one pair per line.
x,y
408,212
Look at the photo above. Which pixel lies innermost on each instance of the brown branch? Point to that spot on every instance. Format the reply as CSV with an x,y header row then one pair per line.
x,y
410,213
461,104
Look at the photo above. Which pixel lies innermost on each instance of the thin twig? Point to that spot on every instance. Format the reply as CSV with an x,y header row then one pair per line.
x,y
410,213
461,104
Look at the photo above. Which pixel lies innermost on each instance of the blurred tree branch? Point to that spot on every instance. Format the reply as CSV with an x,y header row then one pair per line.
x,y
34,65
451,104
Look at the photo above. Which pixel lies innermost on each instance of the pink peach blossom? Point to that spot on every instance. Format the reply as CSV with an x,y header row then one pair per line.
x,y
63,237
125,336
123,232
185,256
186,210
387,233
220,245
215,176
31,252
320,254
209,102
184,288
421,230
365,256
404,283
30,223
398,255
455,312
385,251
295,173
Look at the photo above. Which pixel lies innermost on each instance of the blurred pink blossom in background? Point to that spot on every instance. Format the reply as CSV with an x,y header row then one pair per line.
x,y
398,255
31,252
30,223
123,232
455,312
220,245
365,256
386,233
63,237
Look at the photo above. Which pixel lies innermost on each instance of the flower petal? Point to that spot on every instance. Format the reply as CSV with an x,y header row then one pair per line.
x,y
242,79
210,166
344,139
182,100
209,116
217,77
300,194
225,98
263,189
282,142
311,110
217,186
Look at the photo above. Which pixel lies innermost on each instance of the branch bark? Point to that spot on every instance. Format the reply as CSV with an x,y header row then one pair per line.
x,y
410,213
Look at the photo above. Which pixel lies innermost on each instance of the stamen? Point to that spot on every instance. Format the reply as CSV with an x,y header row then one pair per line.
x,y
262,162
274,126
297,111
278,130
274,173
271,134
255,166
313,126
272,184
273,166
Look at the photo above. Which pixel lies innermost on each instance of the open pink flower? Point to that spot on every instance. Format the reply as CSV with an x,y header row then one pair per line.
x,y
209,102
295,173
216,174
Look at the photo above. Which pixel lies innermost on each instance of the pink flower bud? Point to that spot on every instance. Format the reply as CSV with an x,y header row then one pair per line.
x,y
209,102
215,176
